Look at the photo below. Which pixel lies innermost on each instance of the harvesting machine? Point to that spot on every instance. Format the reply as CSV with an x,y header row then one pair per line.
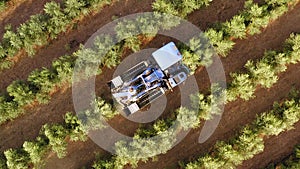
x,y
148,80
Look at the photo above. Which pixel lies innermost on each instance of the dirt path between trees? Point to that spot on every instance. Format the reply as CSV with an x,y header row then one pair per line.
x,y
22,129
57,48
19,11
251,48
15,131
239,113
277,148
236,115
156,43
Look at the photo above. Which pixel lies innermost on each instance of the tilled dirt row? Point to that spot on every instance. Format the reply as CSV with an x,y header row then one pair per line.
x,y
15,133
68,42
236,114
19,11
239,113
277,148
62,102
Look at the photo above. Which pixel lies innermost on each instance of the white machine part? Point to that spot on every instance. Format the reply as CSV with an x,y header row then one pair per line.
x,y
133,108
117,81
167,56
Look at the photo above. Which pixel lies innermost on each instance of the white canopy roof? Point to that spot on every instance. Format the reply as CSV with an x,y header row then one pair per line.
x,y
167,55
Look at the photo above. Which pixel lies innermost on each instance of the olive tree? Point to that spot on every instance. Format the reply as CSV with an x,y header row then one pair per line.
x,y
57,138
36,149
17,159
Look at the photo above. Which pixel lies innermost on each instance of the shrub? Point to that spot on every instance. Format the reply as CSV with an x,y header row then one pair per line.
x,y
241,86
57,138
74,127
36,149
17,159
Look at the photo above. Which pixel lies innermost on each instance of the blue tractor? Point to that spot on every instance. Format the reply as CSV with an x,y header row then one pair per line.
x,y
148,80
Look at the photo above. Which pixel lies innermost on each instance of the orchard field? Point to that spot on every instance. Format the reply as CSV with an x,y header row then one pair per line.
x,y
257,41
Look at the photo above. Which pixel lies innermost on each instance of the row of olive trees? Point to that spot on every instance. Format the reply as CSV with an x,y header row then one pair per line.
x,y
93,119
179,7
290,54
202,104
265,71
155,139
250,140
36,88
291,45
52,137
42,27
147,143
198,52
262,73
147,24
44,81
292,162
249,21
184,118
103,53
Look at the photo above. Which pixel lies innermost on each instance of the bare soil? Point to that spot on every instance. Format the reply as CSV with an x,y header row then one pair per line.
x,y
236,114
277,148
239,113
61,103
19,11
78,154
57,48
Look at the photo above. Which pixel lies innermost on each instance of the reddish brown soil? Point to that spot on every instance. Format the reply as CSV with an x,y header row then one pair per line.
x,y
54,111
227,128
78,154
57,48
61,103
239,113
236,115
276,149
19,11
222,11
10,7
22,129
